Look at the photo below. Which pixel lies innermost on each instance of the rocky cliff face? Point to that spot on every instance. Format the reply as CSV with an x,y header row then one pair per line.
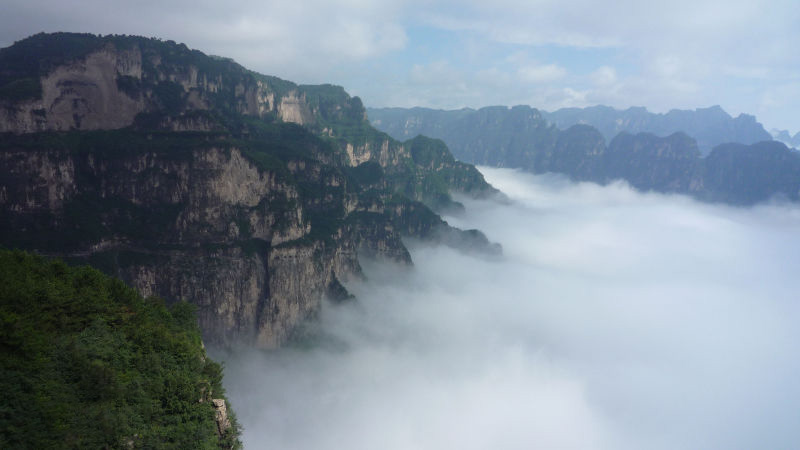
x,y
192,178
80,95
83,82
207,225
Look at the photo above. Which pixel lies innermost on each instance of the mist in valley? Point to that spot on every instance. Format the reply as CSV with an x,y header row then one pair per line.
x,y
613,320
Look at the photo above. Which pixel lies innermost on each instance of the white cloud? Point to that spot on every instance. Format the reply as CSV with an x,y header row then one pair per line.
x,y
604,76
615,320
541,73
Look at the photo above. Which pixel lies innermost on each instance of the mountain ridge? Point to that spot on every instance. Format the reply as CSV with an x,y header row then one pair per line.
x,y
521,137
708,126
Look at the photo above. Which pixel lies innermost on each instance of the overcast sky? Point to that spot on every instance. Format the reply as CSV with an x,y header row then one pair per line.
x,y
740,54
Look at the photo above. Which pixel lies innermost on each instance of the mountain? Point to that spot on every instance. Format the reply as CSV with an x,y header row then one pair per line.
x,y
708,126
649,162
521,137
86,362
786,138
191,177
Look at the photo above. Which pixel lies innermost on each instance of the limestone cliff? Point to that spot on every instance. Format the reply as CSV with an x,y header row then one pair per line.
x,y
193,178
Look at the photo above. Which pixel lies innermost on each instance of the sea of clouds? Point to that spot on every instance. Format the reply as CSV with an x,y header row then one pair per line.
x,y
613,320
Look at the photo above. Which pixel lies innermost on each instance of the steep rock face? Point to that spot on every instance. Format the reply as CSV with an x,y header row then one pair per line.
x,y
81,95
383,151
221,416
229,287
247,195
294,109
204,194
212,192
118,81
223,236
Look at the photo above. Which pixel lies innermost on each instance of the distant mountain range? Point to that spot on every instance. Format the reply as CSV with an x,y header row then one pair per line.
x,y
737,170
786,138
708,126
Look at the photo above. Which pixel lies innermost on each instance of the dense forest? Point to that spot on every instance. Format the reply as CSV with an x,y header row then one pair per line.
x,y
86,362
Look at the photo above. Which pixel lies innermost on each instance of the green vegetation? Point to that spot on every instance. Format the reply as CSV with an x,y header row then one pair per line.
x,y
86,362
334,106
366,174
132,86
170,95
21,89
428,152
24,62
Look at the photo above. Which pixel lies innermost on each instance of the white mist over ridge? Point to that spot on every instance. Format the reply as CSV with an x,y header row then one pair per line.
x,y
615,319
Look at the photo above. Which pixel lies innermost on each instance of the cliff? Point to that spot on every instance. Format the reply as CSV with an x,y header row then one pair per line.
x,y
521,137
193,178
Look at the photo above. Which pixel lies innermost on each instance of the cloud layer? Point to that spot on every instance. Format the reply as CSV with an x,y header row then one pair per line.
x,y
615,320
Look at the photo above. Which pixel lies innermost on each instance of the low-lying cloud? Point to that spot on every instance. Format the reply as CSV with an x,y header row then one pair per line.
x,y
614,320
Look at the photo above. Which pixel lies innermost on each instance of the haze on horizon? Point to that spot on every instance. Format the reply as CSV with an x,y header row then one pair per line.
x,y
549,54
614,320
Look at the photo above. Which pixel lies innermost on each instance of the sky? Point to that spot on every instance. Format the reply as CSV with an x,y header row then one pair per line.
x,y
684,54
614,320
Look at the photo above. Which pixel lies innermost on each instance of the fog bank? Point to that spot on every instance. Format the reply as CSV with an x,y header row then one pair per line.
x,y
615,319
